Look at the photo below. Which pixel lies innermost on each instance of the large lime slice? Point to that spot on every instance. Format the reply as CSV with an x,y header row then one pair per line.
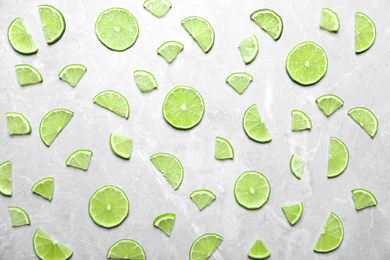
x,y
47,248
72,73
293,212
169,50
269,21
201,31
338,157
365,32
297,166
126,249
27,75
18,216
158,8
252,190
254,125
44,188
80,159
329,103
363,199
202,198
145,80
53,123
53,23
300,121
114,102
223,149
259,250
204,246
329,20
165,222
6,178
239,81
366,119
17,124
249,48
20,38
121,145
170,167
332,235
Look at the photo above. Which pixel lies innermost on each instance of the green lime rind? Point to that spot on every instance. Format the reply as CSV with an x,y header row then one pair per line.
x,y
44,188
53,123
6,178
293,212
363,199
121,145
365,32
17,124
269,21
47,248
297,166
53,23
239,81
331,236
72,74
126,249
223,149
300,121
27,75
204,246
202,198
329,103
145,80
329,20
259,250
254,125
170,167
249,48
338,157
165,222
113,101
80,159
169,50
18,216
366,119
201,31
20,38
158,8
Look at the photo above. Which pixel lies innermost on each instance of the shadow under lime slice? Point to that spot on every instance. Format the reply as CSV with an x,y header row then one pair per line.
x,y
20,38
300,121
293,212
329,103
223,149
170,167
249,48
53,123
18,216
363,199
201,31
203,247
114,102
269,21
53,23
158,8
202,198
121,145
165,222
297,166
17,124
47,247
332,235
329,20
44,188
239,81
126,249
365,32
6,178
80,159
27,75
145,80
254,125
252,190
366,119
169,50
259,250
338,157
72,74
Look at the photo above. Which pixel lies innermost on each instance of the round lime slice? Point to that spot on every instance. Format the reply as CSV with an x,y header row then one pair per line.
x,y
145,80
17,124
329,20
365,32
169,50
239,81
165,222
47,248
204,246
27,75
254,126
170,167
158,8
121,145
300,121
44,188
80,159
329,103
18,216
338,157
201,31
53,123
114,102
249,49
6,178
297,166
53,23
20,38
202,198
269,21
363,199
72,74
293,212
223,149
332,235
126,249
366,119
259,250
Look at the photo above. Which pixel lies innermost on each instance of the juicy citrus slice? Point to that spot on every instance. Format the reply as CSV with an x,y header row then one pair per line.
x,y
254,125
17,124
201,31
27,75
204,246
20,38
329,20
249,49
170,167
113,101
329,103
297,166
239,81
338,157
126,249
72,74
145,80
158,8
80,159
332,235
18,216
363,199
300,121
6,178
169,50
44,188
259,250
53,23
165,222
366,119
269,21
202,198
223,149
48,248
365,32
53,123
121,145
293,212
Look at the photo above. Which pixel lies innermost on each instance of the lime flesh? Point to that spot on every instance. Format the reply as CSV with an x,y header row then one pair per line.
x,y
366,119
329,20
239,81
269,21
158,8
169,50
170,167
293,212
121,145
201,31
259,250
126,249
252,190
53,123
53,23
223,149
365,32
44,188
203,247
72,74
300,121
202,198
331,236
20,38
114,102
249,49
80,159
27,75
254,125
338,157
6,178
17,124
165,222
18,216
363,199
297,166
329,103
48,248
145,80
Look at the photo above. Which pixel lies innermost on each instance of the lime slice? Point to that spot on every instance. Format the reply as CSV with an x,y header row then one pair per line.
x,y
6,178
80,159
126,249
307,63
329,20
17,124
108,206
72,74
113,101
249,49
297,166
204,246
145,80
170,167
239,81
201,31
329,103
20,38
27,75
332,235
18,216
223,149
300,121
363,199
169,50
259,250
254,125
53,23
338,157
165,222
293,212
269,21
366,119
158,8
48,248
183,107
44,188
252,190
202,198
117,28
121,145
365,32
52,124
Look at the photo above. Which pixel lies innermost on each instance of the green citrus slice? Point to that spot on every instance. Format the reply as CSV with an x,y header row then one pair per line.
x,y
121,145
44,188
297,166
254,125
145,80
17,124
18,216
201,31
329,103
239,81
223,149
249,48
259,250
170,167
72,74
158,8
332,235
300,121
329,20
366,119
338,157
293,212
269,21
20,38
169,50
27,75
363,199
365,32
204,246
6,178
126,249
114,102
80,159
53,123
202,198
53,23
47,248
165,222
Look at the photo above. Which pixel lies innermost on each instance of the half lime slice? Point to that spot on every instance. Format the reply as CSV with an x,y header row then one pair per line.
x,y
17,124
80,159
18,216
169,50
338,157
165,222
53,123
254,125
27,75
201,31
202,198
20,38
145,80
363,199
297,166
329,103
223,149
293,212
158,8
365,32
300,121
269,21
249,49
44,188
6,178
332,235
121,145
329,20
72,74
170,167
126,249
204,246
366,119
114,102
259,250
48,248
239,81
53,23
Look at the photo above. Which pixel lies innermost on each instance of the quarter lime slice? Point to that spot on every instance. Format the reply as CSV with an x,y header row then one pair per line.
x,y
300,121
108,206
204,246
307,63
259,250
338,157
18,216
44,188
117,28
201,31
53,23
329,20
239,81
165,222
113,101
269,21
223,149
53,123
72,74
158,8
329,103
17,124
202,198
365,32
332,235
145,80
6,178
80,159
170,167
293,212
126,249
252,190
121,145
297,166
169,50
27,75
366,119
48,248
254,125
363,199
249,49
20,38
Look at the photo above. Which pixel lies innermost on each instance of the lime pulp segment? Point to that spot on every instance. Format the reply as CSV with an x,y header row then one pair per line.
x,y
269,21
165,222
201,31
20,37
6,178
338,157
158,8
329,103
202,198
300,121
293,212
331,236
44,188
18,216
365,32
126,249
239,81
259,250
27,75
53,23
17,124
329,20
254,125
114,102
80,159
53,123
249,48
121,145
145,80
297,166
48,248
203,247
169,50
223,149
170,167
363,199
72,74
366,119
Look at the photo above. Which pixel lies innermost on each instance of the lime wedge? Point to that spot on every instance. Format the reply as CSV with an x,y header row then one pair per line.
x,y
121,145
53,123
329,20
158,8
113,101
239,81
201,31
72,74
170,167
20,38
252,190
332,235
223,149
17,124
338,157
48,248
6,178
18,216
204,246
300,121
307,63
259,250
365,32
297,166
44,188
202,198
117,28
126,249
145,80
293,212
254,125
165,222
363,199
249,49
366,119
269,21
169,50
27,75
108,206
329,103
183,107
80,159
53,23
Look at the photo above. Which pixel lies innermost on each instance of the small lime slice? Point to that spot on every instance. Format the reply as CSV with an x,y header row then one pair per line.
x,y
202,198
169,50
121,145
254,126
113,101
53,123
53,23
48,248
329,103
293,212
18,216
329,20
366,119
297,166
365,32
332,235
145,80
108,206
17,124
204,246
307,63
249,49
338,157
158,8
300,121
223,149
269,21
117,28
27,75
201,31
80,159
20,38
165,222
72,74
239,81
126,249
6,178
170,167
363,199
252,190
259,250
44,188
